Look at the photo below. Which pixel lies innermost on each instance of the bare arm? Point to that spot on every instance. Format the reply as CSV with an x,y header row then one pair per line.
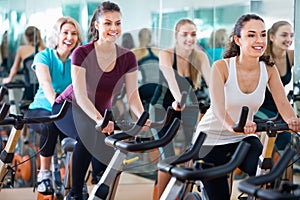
x,y
44,78
14,69
132,93
80,92
205,67
219,75
165,66
279,95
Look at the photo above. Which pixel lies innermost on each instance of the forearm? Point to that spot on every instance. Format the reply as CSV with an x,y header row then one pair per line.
x,y
13,72
224,118
49,92
136,106
169,75
88,107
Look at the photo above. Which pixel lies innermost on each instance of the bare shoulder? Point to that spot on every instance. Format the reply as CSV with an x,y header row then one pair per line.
x,y
201,53
26,50
166,52
271,70
220,66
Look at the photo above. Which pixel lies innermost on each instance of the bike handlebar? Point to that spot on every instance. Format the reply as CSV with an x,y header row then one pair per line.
x,y
191,153
261,125
252,185
243,118
106,117
4,110
135,146
182,100
185,173
20,120
14,84
112,139
3,91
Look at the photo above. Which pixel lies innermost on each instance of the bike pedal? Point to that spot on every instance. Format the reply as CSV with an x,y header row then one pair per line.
x,y
41,196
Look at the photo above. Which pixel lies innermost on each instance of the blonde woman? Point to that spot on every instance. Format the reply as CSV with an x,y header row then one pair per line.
x,y
53,70
182,68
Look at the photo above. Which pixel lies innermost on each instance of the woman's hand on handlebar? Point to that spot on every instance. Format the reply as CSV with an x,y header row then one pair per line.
x,y
249,128
176,106
109,129
147,125
294,124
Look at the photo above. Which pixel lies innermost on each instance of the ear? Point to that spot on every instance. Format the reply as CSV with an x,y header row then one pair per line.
x,y
236,40
271,37
96,24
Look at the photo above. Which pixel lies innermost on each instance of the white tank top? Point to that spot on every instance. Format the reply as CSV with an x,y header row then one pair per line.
x,y
235,99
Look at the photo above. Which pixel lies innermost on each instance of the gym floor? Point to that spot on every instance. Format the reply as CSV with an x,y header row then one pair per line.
x,y
131,187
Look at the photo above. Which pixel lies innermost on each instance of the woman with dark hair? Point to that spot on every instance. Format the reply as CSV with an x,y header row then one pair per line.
x,y
99,70
240,79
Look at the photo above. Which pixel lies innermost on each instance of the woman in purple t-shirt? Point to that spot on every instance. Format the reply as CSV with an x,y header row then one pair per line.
x,y
99,70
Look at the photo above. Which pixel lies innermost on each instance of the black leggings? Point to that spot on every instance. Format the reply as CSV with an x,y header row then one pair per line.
x,y
90,145
218,189
48,131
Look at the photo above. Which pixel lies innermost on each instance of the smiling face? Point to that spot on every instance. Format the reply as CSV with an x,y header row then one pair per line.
x,y
186,36
283,37
109,26
68,37
253,38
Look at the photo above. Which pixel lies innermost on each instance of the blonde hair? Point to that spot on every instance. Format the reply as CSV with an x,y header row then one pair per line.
x,y
52,39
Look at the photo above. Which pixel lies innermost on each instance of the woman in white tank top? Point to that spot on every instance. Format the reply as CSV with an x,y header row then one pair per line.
x,y
240,80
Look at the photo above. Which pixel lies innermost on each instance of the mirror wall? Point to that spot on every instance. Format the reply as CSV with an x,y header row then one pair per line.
x,y
160,16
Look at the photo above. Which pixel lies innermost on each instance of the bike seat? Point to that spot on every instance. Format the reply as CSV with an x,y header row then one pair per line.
x,y
68,144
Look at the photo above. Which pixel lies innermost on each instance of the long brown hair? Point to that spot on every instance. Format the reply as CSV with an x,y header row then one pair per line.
x,y
233,49
193,60
33,35
105,6
272,31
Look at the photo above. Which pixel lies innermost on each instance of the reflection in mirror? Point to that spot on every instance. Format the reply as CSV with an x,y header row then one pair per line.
x,y
159,16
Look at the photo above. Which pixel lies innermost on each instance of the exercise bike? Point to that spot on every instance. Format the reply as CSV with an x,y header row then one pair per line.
x,y
62,182
184,178
265,164
129,141
18,121
254,186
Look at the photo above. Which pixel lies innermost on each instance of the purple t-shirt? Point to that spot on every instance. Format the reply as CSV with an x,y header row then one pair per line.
x,y
101,86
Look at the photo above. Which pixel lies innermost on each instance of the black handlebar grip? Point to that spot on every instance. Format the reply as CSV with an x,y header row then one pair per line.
x,y
182,100
243,119
106,117
3,91
4,110
142,119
